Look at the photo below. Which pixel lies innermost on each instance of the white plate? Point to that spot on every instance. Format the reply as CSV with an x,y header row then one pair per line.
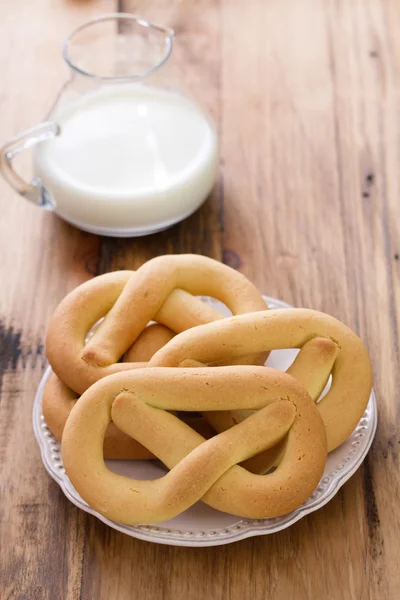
x,y
201,525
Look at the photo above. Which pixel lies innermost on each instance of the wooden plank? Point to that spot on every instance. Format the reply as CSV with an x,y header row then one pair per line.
x,y
316,159
42,535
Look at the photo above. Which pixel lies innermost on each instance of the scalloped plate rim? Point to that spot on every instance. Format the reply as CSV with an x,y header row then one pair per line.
x,y
249,528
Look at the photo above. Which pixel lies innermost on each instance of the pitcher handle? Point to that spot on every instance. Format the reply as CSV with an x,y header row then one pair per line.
x,y
31,191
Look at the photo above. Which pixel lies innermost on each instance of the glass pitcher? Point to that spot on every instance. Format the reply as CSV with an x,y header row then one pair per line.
x,y
123,152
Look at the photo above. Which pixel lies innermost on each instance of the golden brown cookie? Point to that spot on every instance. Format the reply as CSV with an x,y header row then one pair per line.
x,y
200,469
160,290
343,405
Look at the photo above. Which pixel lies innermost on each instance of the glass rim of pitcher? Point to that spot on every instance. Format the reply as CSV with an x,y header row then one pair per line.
x,y
168,31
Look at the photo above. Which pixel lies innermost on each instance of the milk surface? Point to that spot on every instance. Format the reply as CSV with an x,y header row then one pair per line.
x,y
129,157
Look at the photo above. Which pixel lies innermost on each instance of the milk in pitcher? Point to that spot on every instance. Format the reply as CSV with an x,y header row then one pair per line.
x,y
129,157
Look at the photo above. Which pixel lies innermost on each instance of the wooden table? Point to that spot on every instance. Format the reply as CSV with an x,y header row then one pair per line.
x,y
306,97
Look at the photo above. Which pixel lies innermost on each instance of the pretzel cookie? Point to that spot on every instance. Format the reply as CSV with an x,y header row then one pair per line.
x,y
345,402
160,290
200,469
128,300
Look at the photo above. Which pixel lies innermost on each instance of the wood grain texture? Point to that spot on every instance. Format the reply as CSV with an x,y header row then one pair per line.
x,y
306,97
